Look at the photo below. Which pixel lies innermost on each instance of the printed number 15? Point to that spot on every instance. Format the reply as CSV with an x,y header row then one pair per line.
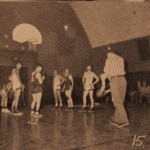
x,y
137,140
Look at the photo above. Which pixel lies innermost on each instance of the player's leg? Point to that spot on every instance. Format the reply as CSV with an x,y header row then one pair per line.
x,y
70,98
67,95
17,96
38,103
85,94
14,107
5,101
59,98
2,100
91,99
34,101
56,97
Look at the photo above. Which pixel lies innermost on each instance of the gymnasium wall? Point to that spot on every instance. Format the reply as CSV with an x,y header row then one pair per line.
x,y
128,50
7,57
76,60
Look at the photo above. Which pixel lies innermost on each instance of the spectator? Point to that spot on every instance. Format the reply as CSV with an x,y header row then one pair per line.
x,y
144,92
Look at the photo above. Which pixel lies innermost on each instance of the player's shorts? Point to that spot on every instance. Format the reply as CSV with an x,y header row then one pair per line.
x,y
37,90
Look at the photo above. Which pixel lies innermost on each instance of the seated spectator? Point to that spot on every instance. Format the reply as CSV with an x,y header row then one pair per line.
x,y
134,97
148,95
138,84
134,94
144,92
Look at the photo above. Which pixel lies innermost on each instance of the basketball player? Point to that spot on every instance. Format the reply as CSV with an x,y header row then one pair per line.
x,y
68,87
37,81
57,82
102,91
17,87
4,89
88,84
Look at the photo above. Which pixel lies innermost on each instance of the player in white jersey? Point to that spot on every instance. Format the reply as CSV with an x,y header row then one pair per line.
x,y
17,87
88,84
57,82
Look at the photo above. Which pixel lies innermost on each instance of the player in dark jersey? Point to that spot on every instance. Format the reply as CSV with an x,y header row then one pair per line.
x,y
68,87
37,81
5,87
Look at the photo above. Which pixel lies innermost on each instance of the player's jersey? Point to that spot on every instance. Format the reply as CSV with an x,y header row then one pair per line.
x,y
68,83
88,78
16,82
36,86
56,82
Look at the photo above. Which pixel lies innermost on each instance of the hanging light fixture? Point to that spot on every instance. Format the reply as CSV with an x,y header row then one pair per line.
x,y
6,36
66,27
134,0
108,48
16,58
7,46
23,48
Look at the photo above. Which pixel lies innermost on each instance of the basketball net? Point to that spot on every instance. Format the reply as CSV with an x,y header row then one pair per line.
x,y
32,44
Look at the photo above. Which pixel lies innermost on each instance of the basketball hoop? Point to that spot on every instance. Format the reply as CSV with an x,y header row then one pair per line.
x,y
32,44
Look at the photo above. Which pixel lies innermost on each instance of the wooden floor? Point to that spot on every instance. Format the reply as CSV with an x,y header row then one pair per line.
x,y
65,130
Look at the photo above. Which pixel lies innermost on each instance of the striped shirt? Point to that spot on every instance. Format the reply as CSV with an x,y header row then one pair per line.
x,y
114,66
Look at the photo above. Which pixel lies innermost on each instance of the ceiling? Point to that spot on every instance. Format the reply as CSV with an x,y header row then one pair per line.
x,y
101,22
69,0
112,22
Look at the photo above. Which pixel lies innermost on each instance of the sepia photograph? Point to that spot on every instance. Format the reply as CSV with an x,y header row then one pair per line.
x,y
74,74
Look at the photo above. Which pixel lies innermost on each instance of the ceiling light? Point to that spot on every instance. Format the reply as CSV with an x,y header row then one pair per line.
x,y
134,0
66,27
